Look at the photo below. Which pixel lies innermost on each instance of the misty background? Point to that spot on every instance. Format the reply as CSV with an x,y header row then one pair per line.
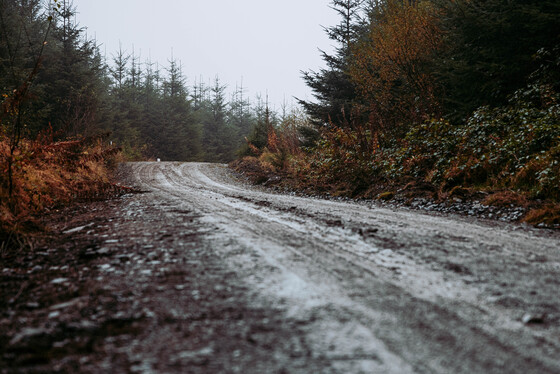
x,y
263,45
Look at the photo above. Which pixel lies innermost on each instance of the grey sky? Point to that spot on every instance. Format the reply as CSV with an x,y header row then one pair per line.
x,y
266,42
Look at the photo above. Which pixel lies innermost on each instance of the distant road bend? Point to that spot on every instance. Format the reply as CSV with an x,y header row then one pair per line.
x,y
378,290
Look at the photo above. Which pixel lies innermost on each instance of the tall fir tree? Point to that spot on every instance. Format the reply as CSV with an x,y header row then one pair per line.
x,y
491,48
240,115
180,134
332,87
214,122
74,73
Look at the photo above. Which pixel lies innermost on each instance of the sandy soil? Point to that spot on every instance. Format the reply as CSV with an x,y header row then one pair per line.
x,y
204,274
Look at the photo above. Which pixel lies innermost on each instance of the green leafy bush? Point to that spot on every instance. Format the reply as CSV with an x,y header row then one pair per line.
x,y
515,146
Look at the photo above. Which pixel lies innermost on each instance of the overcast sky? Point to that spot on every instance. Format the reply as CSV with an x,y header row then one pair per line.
x,y
265,42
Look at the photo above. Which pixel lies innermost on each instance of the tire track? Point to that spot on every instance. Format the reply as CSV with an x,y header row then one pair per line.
x,y
416,318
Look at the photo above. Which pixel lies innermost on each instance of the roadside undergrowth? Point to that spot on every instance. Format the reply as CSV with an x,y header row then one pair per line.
x,y
502,157
48,175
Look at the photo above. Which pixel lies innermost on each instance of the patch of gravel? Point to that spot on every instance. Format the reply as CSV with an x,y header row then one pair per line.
x,y
458,206
465,207
128,286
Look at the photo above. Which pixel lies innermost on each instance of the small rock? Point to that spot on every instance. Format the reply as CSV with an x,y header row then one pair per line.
x,y
32,305
199,357
27,334
61,344
77,229
529,319
36,268
148,313
67,304
85,326
84,360
103,251
59,280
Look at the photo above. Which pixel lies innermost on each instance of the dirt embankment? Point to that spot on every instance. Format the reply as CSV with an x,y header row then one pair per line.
x,y
201,273
502,205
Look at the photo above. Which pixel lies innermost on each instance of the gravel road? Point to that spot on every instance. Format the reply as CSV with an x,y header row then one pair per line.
x,y
212,275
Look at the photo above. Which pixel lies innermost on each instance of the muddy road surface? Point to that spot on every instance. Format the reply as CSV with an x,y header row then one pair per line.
x,y
202,273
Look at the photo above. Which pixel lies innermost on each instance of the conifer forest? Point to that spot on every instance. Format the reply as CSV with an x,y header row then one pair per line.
x,y
458,95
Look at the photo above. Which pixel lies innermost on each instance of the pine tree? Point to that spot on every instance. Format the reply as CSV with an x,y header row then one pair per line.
x,y
332,87
119,69
151,102
265,119
180,136
70,78
240,116
123,108
491,48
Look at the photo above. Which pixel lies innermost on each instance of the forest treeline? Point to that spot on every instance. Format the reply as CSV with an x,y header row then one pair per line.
x,y
441,98
146,107
68,111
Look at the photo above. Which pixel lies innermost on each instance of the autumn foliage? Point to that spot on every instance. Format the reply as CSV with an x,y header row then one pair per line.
x,y
454,97
48,175
390,65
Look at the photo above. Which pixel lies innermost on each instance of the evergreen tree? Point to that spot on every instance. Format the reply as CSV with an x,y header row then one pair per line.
x,y
23,30
219,133
200,94
18,47
119,70
123,108
151,103
180,135
491,48
332,87
70,81
149,114
240,116
72,77
265,119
